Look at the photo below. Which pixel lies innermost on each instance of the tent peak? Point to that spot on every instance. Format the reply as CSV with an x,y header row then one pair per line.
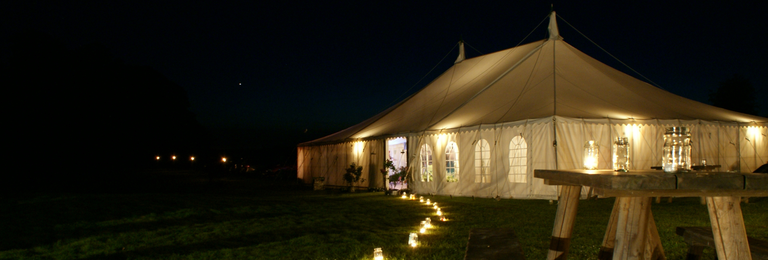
x,y
554,33
461,52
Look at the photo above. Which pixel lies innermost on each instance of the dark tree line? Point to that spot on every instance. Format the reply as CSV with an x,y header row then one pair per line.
x,y
79,113
736,94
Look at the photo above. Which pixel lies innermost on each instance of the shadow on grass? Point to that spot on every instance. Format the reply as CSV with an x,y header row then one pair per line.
x,y
212,245
37,219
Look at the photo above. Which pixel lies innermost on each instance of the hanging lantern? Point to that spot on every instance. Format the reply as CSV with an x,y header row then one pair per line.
x,y
377,255
413,239
621,154
428,202
421,199
676,155
591,153
423,227
429,222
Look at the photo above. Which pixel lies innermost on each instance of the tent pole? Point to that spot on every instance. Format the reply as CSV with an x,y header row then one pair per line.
x,y
554,105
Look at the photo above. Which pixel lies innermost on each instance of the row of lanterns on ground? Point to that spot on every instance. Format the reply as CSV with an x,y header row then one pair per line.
x,y
413,238
676,153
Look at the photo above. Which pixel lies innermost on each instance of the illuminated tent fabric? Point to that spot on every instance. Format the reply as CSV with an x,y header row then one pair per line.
x,y
541,91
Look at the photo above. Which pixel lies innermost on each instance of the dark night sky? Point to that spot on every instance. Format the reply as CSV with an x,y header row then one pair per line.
x,y
323,67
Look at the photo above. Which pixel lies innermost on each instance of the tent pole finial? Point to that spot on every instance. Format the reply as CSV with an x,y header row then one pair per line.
x,y
461,52
554,33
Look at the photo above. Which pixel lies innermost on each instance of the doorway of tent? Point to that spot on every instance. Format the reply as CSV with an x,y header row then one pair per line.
x,y
397,152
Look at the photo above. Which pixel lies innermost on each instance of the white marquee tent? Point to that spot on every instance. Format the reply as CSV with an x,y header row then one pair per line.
x,y
484,125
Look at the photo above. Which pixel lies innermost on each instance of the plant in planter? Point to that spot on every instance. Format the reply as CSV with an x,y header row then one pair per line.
x,y
388,165
400,176
353,175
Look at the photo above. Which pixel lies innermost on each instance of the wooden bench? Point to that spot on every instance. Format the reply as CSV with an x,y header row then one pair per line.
x,y
493,243
699,237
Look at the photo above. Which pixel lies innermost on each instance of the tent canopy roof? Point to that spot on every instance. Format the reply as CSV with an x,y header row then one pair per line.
x,y
539,79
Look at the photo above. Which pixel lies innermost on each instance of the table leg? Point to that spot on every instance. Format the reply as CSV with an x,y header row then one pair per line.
x,y
606,250
655,251
566,214
728,228
632,227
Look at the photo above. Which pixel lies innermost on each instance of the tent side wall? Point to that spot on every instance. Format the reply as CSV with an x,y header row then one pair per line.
x,y
736,147
331,161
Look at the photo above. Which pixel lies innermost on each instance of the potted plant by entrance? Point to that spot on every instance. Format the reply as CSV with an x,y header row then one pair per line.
x,y
353,175
319,183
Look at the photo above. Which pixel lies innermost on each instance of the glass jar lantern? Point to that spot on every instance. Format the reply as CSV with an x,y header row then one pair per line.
x,y
591,153
413,239
676,156
621,154
377,254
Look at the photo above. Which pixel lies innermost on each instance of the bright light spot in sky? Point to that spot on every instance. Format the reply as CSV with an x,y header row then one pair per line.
x,y
240,84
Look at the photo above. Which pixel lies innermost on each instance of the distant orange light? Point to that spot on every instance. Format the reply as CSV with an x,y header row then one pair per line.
x,y
157,158
191,158
173,157
223,159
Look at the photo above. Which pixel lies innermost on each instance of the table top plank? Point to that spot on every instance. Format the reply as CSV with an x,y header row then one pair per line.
x,y
657,183
710,181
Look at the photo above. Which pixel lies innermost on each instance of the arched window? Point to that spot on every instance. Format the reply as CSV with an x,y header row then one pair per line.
x,y
482,162
452,162
426,163
518,160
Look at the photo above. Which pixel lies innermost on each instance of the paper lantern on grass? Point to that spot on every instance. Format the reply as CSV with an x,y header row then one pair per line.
x,y
428,202
434,205
405,195
413,196
591,153
439,213
421,199
429,222
442,218
377,254
423,227
413,239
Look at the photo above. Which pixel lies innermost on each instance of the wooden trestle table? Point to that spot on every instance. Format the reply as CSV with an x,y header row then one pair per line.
x,y
631,232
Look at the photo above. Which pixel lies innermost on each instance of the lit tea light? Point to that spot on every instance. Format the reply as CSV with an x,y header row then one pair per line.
x,y
429,222
434,205
442,218
377,254
439,213
404,195
421,199
428,202
413,196
423,227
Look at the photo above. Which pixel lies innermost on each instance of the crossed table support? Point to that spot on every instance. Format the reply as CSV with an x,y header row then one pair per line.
x,y
631,231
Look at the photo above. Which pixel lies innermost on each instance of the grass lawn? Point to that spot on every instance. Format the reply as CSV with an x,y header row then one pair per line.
x,y
186,216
